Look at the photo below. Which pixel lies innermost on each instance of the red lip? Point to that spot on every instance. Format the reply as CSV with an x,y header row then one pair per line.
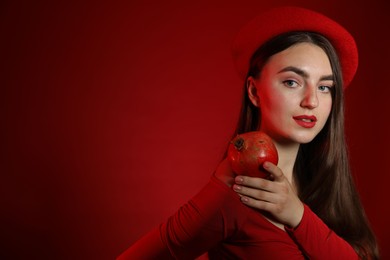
x,y
306,121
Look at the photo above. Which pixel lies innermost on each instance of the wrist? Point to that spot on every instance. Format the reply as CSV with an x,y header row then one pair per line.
x,y
294,223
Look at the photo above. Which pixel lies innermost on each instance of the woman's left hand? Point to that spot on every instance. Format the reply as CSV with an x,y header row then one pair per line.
x,y
275,196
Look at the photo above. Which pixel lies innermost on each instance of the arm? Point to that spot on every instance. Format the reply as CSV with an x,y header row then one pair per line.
x,y
318,241
195,228
150,246
277,197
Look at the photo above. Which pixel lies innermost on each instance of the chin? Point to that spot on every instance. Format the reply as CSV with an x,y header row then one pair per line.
x,y
306,139
293,136
289,139
303,138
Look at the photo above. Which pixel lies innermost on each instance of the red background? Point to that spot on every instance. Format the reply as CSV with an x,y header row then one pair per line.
x,y
113,115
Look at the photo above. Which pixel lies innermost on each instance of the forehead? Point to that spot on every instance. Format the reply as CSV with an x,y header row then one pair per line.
x,y
307,56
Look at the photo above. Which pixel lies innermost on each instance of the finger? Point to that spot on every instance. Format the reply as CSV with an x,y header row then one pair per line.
x,y
254,182
258,204
255,193
275,171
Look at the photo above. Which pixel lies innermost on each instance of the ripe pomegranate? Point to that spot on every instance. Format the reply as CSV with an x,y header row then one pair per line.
x,y
248,151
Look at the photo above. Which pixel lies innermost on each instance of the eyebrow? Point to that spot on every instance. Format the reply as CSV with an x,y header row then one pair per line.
x,y
303,73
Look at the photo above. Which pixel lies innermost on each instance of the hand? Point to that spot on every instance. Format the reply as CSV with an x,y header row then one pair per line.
x,y
275,196
225,173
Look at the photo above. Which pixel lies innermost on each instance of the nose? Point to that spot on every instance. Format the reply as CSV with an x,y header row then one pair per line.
x,y
310,98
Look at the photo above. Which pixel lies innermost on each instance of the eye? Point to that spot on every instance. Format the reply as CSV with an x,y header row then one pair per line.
x,y
290,83
325,89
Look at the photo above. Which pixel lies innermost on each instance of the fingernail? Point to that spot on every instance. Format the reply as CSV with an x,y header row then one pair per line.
x,y
266,165
244,199
239,180
236,187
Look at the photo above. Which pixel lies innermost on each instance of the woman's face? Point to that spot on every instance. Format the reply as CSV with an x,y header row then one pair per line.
x,y
294,93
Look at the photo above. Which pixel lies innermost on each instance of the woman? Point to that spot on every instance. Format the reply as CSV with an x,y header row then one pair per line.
x,y
296,64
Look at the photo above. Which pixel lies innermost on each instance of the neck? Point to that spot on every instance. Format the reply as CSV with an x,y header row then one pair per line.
x,y
287,156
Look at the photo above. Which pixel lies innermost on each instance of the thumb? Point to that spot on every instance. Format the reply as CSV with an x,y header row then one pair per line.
x,y
276,173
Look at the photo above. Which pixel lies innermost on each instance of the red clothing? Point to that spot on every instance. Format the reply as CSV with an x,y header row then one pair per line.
x,y
217,222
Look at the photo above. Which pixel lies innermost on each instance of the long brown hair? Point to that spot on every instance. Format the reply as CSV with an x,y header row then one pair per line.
x,y
321,170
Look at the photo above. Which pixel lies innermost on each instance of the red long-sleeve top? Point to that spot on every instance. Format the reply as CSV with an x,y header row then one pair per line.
x,y
217,222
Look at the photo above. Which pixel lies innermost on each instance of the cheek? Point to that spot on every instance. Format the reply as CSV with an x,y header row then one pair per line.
x,y
327,108
325,111
273,107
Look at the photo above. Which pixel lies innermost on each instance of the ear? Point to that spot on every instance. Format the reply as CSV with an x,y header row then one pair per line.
x,y
252,91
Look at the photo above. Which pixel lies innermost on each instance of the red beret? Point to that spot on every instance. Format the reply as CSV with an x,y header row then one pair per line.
x,y
286,19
